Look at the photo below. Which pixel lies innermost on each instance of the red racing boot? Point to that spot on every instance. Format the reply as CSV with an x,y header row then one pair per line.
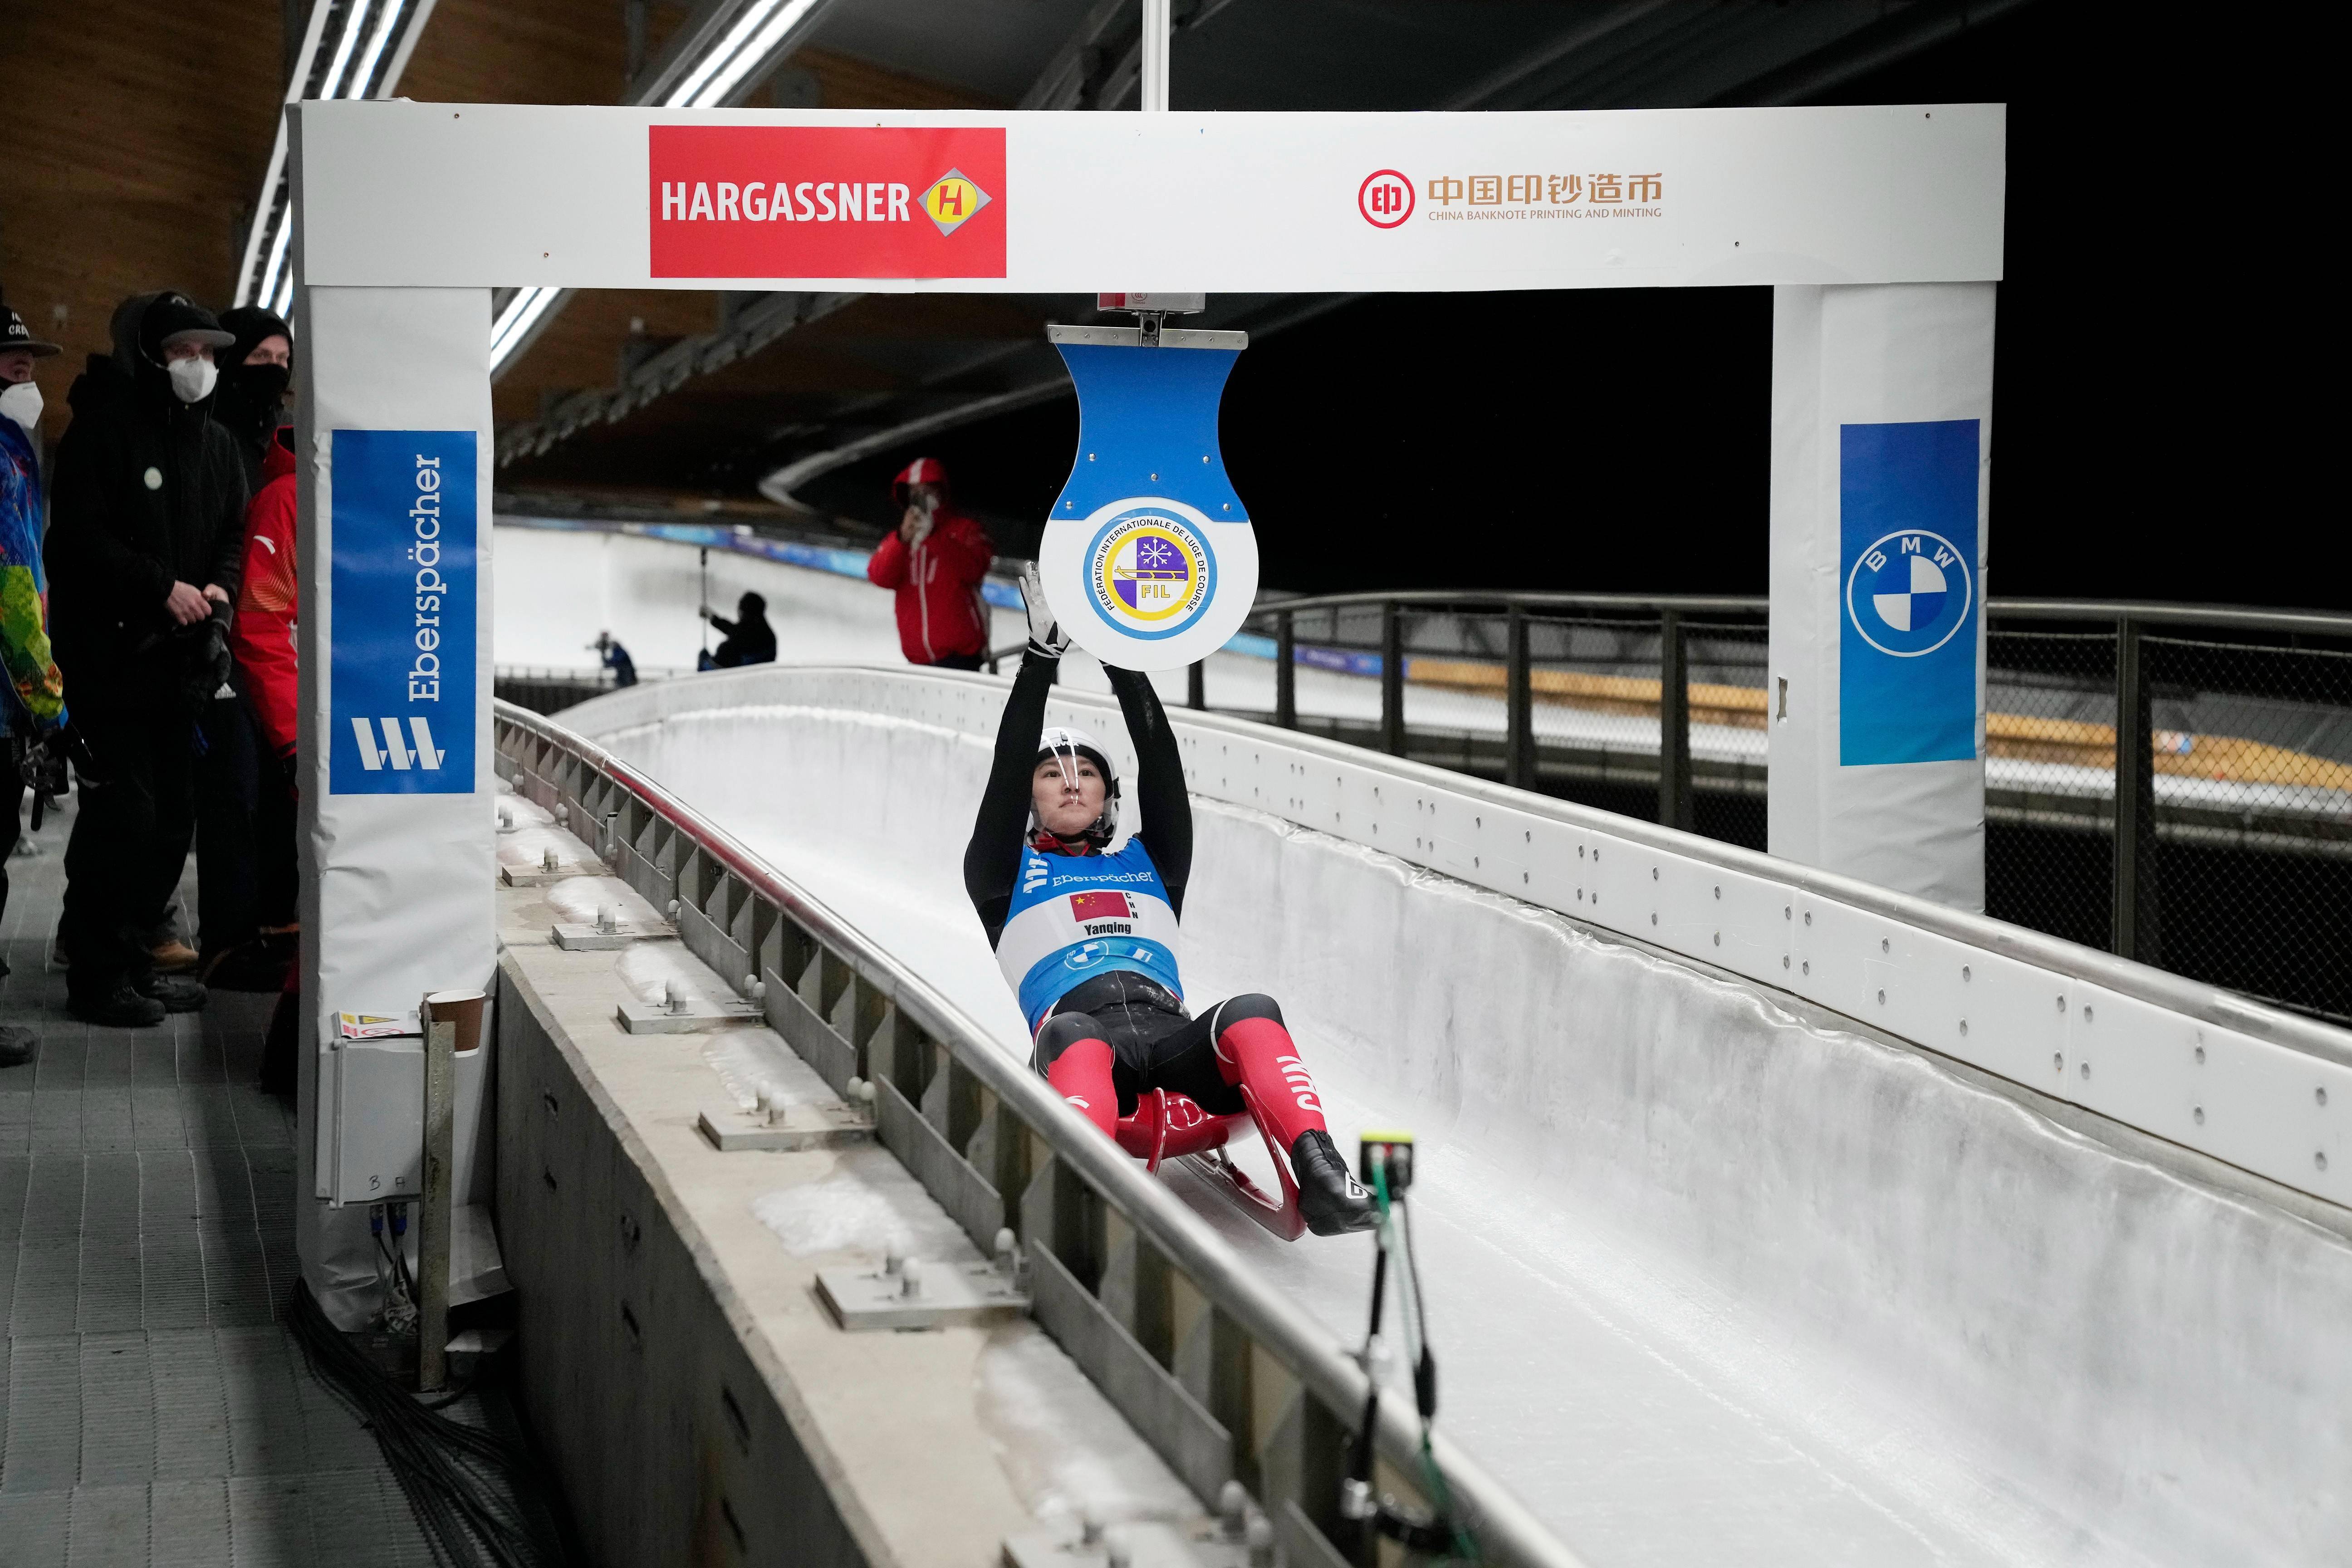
x,y
1259,1055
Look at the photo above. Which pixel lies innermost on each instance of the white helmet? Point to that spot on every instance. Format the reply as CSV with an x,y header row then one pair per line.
x,y
1066,746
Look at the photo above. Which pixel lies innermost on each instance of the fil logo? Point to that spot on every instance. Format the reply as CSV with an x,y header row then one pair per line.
x,y
399,756
1385,198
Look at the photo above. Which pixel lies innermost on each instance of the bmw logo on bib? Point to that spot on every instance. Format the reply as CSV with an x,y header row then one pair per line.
x,y
1909,687
1149,560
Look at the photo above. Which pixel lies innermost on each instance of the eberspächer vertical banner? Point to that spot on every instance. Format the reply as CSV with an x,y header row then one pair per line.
x,y
402,682
1149,560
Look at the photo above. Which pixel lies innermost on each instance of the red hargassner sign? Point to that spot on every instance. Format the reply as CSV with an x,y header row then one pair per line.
x,y
799,201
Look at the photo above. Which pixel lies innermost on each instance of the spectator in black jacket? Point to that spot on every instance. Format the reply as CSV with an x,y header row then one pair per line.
x,y
746,639
144,551
245,947
254,373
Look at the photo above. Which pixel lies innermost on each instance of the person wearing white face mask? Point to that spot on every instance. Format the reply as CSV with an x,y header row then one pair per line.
x,y
144,551
20,399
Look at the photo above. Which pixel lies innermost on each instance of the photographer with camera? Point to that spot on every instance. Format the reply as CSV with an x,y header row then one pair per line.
x,y
935,562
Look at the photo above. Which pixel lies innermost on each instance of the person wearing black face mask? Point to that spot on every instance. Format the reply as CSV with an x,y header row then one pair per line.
x,y
144,554
245,946
254,371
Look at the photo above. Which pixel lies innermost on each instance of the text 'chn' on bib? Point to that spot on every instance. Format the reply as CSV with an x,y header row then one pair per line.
x,y
1149,560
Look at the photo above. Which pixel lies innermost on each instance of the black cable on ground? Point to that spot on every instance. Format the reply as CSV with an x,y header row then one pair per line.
x,y
443,1401
480,1497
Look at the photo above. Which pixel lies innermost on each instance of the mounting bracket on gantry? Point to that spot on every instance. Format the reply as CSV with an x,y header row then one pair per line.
x,y
1151,310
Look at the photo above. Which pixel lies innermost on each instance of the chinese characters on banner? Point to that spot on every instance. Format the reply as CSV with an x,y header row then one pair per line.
x,y
1547,190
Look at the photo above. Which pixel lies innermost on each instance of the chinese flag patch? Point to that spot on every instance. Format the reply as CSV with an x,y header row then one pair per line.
x,y
1101,907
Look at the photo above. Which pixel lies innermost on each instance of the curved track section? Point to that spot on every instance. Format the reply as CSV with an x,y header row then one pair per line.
x,y
1721,1272
1714,1271
557,587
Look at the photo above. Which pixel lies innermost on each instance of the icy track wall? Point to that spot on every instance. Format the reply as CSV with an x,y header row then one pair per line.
x,y
558,584
2116,1347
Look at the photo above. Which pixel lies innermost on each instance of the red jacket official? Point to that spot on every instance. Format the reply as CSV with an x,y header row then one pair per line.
x,y
940,612
262,633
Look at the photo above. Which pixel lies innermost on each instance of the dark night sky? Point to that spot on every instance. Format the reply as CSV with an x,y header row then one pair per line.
x,y
2146,442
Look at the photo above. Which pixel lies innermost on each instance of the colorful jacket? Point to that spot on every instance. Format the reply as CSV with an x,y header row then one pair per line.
x,y
39,689
262,635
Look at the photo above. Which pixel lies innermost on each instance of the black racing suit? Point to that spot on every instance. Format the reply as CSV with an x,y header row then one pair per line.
x,y
1155,1044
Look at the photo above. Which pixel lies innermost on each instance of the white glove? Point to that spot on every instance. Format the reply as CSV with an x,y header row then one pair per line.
x,y
1045,635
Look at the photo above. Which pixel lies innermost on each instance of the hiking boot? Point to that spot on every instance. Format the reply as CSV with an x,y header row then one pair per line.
x,y
1328,1197
177,992
119,1006
172,956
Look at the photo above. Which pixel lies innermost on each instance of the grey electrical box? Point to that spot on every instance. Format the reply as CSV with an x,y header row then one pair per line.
x,y
379,1121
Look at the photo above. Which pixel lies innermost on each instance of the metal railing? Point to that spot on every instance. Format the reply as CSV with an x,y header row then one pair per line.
x,y
1222,1373
2224,852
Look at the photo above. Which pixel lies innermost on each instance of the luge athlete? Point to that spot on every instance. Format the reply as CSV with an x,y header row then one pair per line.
x,y
1087,934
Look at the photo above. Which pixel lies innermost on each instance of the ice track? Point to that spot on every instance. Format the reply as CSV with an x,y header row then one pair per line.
x,y
1714,1276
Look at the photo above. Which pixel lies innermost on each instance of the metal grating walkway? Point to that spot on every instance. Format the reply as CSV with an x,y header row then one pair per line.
x,y
151,1411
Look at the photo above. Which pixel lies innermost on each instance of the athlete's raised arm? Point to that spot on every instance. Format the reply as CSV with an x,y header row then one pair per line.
x,y
992,860
1163,807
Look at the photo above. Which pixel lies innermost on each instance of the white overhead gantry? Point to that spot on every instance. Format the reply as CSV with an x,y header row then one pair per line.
x,y
1879,227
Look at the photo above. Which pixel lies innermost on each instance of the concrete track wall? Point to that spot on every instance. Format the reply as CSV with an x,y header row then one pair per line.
x,y
1714,1269
671,1443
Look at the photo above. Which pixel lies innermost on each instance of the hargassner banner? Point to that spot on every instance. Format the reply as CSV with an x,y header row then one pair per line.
x,y
406,599
499,195
837,200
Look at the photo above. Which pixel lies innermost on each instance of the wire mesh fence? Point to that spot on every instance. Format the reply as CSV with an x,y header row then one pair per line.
x,y
2249,884
2049,779
1454,712
2234,860
1593,712
1597,723
1727,672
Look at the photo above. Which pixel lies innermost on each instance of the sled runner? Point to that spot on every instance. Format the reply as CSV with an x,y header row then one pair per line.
x,y
1172,1127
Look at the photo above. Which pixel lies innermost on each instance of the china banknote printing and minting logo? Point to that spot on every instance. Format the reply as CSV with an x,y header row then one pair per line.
x,y
1908,593
1150,573
953,200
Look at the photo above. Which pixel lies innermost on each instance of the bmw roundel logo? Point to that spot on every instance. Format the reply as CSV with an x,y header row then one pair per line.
x,y
1908,593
